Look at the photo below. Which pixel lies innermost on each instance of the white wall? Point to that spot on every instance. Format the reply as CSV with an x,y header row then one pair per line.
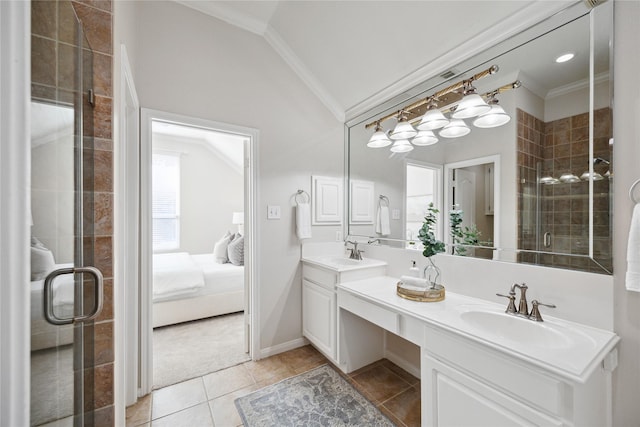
x,y
626,155
210,191
192,64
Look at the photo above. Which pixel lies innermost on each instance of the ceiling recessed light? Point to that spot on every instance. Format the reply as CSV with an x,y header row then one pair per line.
x,y
565,57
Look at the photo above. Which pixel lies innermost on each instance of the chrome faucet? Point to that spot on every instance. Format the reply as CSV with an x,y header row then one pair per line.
x,y
522,309
355,253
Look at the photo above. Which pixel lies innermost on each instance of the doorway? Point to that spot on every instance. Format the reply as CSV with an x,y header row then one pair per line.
x,y
197,239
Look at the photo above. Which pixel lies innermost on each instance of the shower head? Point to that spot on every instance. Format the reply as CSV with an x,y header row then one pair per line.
x,y
599,160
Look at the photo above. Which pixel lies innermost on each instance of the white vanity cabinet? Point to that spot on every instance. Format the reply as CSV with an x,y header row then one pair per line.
x,y
496,373
467,383
320,276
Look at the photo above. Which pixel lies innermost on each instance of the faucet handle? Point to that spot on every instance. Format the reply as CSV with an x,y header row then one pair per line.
x,y
511,308
535,312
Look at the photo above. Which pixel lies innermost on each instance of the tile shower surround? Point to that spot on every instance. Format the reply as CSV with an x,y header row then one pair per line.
x,y
560,146
52,35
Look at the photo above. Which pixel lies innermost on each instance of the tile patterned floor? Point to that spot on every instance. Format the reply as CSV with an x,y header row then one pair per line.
x,y
208,400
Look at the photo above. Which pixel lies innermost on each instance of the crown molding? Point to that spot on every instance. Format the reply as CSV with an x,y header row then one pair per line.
x,y
533,13
227,14
574,86
291,59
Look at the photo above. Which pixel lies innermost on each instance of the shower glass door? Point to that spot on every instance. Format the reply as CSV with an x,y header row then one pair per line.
x,y
65,292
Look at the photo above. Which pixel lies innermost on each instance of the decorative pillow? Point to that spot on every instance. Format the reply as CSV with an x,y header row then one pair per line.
x,y
42,262
236,251
220,249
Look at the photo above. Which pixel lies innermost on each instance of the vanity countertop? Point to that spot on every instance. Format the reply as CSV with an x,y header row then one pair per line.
x,y
341,263
568,349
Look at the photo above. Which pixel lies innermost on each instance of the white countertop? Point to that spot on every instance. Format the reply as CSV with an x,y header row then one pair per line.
x,y
340,264
575,349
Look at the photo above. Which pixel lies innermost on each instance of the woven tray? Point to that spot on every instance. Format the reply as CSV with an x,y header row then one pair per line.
x,y
415,293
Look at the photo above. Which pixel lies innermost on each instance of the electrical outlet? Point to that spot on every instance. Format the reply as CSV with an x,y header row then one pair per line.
x,y
273,212
395,214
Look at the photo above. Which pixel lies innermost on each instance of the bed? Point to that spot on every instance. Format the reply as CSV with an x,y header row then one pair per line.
x,y
191,287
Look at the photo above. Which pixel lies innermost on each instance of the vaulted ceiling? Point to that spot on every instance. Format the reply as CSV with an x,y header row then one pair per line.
x,y
355,54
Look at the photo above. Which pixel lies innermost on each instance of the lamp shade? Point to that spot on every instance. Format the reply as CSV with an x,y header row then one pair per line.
x,y
455,129
401,146
379,139
492,119
238,218
471,105
424,137
568,177
596,176
403,130
432,119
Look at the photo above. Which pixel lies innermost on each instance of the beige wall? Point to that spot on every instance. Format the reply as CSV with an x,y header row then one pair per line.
x,y
195,65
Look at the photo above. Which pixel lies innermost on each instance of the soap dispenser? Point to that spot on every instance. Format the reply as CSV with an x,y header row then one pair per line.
x,y
414,271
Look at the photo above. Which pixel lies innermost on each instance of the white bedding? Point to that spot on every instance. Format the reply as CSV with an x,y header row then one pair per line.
x,y
217,278
175,274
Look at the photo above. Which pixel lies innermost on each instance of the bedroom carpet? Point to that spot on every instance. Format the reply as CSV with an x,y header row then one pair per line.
x,y
320,397
51,384
192,349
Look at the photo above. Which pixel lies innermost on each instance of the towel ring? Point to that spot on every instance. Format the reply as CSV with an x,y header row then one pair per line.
x,y
631,189
383,199
303,195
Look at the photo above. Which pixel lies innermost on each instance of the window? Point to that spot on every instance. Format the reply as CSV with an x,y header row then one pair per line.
x,y
166,201
422,183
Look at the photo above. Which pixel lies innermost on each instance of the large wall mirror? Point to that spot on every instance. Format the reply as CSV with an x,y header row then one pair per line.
x,y
532,185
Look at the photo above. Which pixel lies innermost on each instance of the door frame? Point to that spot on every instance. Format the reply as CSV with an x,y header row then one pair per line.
x,y
251,203
15,203
448,169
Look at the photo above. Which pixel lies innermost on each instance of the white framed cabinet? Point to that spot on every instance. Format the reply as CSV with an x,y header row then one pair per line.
x,y
319,302
466,383
319,317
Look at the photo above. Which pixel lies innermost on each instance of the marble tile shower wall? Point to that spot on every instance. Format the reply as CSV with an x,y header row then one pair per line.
x,y
53,42
551,149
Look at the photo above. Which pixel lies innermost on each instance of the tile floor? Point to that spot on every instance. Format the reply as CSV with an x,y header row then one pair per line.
x,y
208,400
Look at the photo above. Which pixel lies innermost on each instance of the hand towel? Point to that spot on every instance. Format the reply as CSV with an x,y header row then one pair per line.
x,y
414,281
382,221
632,280
303,220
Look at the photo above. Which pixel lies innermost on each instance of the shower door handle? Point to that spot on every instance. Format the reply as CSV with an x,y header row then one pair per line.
x,y
546,239
49,314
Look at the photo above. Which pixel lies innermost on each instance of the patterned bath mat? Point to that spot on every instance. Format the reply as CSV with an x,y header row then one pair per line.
x,y
320,397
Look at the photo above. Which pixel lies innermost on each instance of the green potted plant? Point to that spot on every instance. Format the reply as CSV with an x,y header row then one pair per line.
x,y
432,245
461,237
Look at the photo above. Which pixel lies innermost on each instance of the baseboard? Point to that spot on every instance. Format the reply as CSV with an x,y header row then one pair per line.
x,y
281,348
402,362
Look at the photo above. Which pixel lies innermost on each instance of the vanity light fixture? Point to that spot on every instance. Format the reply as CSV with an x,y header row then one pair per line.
x,y
424,137
401,146
565,57
495,117
472,104
379,138
433,118
596,176
568,177
549,180
404,129
455,129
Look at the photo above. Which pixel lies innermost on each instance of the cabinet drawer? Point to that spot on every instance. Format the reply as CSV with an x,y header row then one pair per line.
x,y
375,314
322,277
492,367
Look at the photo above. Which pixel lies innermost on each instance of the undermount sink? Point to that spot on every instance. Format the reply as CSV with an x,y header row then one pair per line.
x,y
342,263
515,329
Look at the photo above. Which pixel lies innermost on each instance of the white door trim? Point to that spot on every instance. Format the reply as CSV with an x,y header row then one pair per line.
x,y
448,168
15,203
251,232
126,240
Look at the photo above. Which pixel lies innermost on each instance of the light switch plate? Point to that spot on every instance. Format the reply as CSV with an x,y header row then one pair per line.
x,y
395,214
273,212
